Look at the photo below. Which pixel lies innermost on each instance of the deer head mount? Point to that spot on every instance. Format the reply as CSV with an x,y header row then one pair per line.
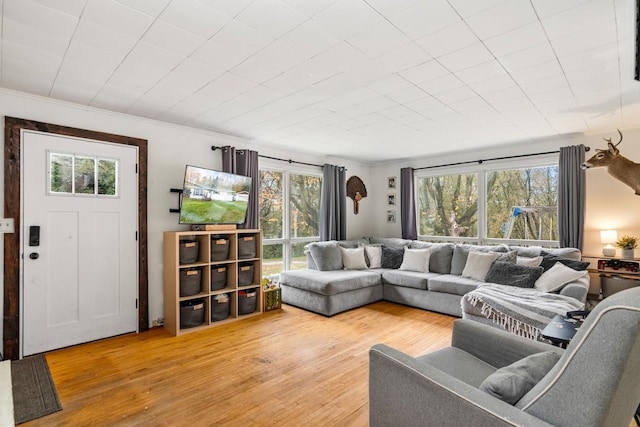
x,y
617,165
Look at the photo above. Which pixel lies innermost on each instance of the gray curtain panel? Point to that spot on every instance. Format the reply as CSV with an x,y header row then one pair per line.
x,y
408,205
571,196
245,162
333,211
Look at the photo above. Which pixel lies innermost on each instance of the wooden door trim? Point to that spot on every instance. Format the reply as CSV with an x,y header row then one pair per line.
x,y
12,207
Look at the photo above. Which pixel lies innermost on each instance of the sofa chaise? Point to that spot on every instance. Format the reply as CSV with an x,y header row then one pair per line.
x,y
348,274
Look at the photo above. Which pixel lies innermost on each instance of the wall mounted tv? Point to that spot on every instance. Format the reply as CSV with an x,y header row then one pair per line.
x,y
213,197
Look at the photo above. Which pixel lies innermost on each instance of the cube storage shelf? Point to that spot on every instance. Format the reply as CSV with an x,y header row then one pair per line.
x,y
207,277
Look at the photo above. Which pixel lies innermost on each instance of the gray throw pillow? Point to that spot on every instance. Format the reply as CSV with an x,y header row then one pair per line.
x,y
461,253
392,257
514,381
549,260
441,254
506,273
326,255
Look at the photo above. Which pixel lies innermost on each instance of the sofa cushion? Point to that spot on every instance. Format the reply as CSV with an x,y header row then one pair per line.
x,y
416,260
392,257
557,276
512,382
529,261
459,364
407,279
390,242
353,258
353,243
441,254
461,252
527,251
330,282
549,260
374,255
452,284
478,264
326,255
506,273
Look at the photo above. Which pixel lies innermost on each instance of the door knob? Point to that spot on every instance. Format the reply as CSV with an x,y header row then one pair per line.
x,y
34,255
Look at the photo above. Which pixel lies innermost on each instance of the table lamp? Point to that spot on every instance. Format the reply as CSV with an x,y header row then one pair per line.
x,y
608,237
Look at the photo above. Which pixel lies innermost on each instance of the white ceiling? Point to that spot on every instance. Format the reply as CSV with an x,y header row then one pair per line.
x,y
372,80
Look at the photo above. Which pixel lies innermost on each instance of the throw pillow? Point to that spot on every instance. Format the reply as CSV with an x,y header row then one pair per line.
x,y
514,381
478,264
416,260
549,260
461,252
506,273
440,258
392,257
557,276
510,256
326,255
353,258
374,255
529,261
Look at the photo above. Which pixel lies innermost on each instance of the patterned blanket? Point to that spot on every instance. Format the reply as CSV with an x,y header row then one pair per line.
x,y
523,311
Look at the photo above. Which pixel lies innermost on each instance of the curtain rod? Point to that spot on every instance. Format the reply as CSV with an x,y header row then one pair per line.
x,y
214,148
480,161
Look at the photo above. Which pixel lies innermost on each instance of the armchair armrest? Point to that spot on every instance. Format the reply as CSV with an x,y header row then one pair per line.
x,y
575,290
492,345
405,392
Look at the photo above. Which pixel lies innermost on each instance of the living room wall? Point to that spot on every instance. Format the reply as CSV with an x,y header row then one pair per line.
x,y
171,147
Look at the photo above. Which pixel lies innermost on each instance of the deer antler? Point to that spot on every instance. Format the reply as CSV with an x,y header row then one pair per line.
x,y
618,143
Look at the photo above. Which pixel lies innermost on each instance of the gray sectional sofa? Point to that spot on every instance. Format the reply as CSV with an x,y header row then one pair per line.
x,y
331,284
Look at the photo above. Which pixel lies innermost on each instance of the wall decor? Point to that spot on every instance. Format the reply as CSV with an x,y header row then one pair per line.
x,y
618,166
391,216
391,199
391,182
356,190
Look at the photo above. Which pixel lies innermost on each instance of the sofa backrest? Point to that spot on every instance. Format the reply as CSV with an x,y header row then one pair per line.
x,y
595,381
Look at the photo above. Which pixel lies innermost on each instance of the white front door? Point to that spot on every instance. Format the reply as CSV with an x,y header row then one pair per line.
x,y
79,240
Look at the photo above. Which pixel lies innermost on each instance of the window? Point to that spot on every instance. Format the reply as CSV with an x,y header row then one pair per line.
x,y
491,204
71,174
289,217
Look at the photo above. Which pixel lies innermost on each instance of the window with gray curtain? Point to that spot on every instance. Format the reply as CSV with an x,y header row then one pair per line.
x,y
245,162
333,213
408,205
571,196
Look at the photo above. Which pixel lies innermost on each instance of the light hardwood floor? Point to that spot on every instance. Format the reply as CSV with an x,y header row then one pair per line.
x,y
289,367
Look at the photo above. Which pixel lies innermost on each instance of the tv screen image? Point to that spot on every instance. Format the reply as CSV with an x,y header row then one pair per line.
x,y
213,197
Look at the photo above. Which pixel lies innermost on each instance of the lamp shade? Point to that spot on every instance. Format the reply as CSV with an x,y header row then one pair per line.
x,y
608,236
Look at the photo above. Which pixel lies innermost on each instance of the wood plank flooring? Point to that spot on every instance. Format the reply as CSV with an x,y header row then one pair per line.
x,y
289,368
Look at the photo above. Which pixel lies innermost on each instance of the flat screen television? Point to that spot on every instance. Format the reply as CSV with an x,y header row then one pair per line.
x,y
213,197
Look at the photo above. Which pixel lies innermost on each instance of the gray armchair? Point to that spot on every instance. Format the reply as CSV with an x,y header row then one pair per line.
x,y
594,383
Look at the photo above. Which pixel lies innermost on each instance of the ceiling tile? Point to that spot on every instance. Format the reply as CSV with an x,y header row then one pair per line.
x,y
404,57
486,71
379,39
103,39
218,55
504,17
70,7
279,55
310,8
580,18
528,57
551,7
467,8
425,18
447,40
424,72
224,88
468,57
502,95
388,84
30,55
256,71
301,76
496,83
412,93
537,72
195,17
117,17
33,37
237,36
456,95
441,84
588,40
230,8
150,7
310,39
173,38
346,18
271,17
390,8
25,12
515,40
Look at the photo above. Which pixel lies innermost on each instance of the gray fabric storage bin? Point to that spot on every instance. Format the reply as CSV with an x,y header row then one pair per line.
x,y
219,248
245,274
247,247
247,301
191,313
612,284
190,281
218,277
189,251
220,307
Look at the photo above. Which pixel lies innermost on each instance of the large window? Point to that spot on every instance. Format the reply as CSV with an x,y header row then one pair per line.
x,y
289,217
517,204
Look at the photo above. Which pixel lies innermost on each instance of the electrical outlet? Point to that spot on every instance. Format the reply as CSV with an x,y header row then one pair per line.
x,y
6,225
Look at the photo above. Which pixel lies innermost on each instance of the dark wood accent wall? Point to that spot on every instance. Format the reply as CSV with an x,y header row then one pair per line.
x,y
12,140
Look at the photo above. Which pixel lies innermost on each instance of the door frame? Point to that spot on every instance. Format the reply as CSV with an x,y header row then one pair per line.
x,y
13,206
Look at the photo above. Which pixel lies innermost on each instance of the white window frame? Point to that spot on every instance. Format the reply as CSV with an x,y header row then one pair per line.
x,y
482,170
287,241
